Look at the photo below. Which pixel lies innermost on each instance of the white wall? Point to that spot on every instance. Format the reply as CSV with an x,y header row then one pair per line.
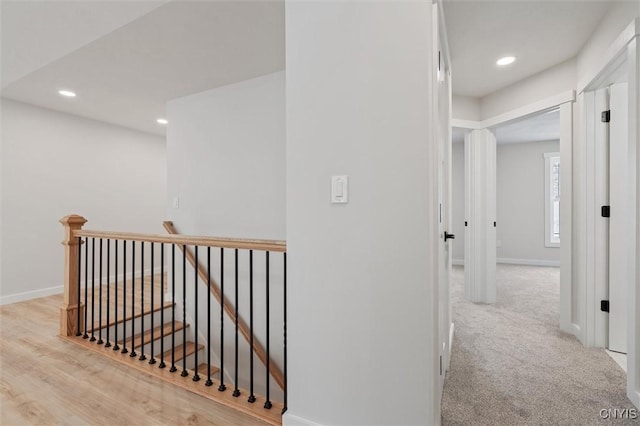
x,y
465,108
458,201
226,160
55,164
555,80
619,17
521,208
226,165
363,317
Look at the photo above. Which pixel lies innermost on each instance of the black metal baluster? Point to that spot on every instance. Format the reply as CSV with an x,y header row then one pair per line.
x,y
252,397
86,287
124,297
78,332
133,299
142,356
208,382
100,341
236,391
115,288
173,368
267,404
184,373
284,331
152,359
162,364
93,287
108,342
196,376
222,387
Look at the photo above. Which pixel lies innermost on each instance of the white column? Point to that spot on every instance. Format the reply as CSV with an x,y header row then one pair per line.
x,y
480,216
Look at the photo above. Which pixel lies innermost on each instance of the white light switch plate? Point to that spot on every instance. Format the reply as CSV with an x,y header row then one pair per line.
x,y
339,189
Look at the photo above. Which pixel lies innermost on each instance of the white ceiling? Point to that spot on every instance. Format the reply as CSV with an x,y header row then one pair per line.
x,y
540,34
35,33
544,126
126,76
126,59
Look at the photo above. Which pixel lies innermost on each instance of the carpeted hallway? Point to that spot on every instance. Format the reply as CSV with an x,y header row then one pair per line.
x,y
511,364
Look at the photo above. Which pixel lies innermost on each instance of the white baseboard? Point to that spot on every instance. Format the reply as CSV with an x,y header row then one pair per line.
x,y
49,291
451,333
292,420
510,261
28,295
529,262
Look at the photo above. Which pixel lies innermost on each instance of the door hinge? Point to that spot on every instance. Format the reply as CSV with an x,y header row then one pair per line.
x,y
604,305
605,117
441,365
605,211
466,223
495,224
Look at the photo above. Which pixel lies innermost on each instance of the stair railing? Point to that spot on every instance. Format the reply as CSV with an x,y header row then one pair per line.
x,y
108,297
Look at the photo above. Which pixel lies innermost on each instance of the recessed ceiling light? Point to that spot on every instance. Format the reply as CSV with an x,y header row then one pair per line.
x,y
67,93
162,121
505,61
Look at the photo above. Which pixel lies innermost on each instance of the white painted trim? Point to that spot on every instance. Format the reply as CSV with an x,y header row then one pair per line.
x,y
518,113
566,216
611,59
633,333
289,419
577,331
457,262
530,262
532,108
448,358
618,358
466,124
49,291
28,295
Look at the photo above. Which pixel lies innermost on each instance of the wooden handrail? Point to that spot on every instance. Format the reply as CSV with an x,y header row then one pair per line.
x,y
239,243
215,290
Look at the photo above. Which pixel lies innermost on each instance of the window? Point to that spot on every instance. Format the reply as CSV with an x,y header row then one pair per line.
x,y
552,199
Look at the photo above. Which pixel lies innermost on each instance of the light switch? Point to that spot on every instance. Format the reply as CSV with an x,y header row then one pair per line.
x,y
339,189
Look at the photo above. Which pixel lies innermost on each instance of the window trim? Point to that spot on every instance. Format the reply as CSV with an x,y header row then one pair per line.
x,y
549,240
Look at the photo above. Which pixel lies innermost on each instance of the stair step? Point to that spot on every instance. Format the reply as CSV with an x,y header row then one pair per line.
x,y
129,317
178,352
203,369
157,333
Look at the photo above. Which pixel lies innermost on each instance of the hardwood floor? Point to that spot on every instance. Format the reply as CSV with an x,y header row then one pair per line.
x,y
45,380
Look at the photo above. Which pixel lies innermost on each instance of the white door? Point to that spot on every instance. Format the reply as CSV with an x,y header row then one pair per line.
x,y
444,198
620,235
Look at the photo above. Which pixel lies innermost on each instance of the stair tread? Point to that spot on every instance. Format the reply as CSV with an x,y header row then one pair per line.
x,y
178,352
128,317
158,332
203,369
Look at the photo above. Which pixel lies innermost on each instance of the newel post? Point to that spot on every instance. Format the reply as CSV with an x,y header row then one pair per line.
x,y
69,324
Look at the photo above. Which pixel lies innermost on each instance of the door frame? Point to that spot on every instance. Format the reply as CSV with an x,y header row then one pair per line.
x,y
565,102
624,50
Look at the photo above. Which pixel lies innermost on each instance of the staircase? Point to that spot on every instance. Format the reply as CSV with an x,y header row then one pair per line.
x,y
132,320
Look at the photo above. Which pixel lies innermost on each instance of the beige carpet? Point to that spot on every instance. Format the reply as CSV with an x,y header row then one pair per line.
x,y
511,364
